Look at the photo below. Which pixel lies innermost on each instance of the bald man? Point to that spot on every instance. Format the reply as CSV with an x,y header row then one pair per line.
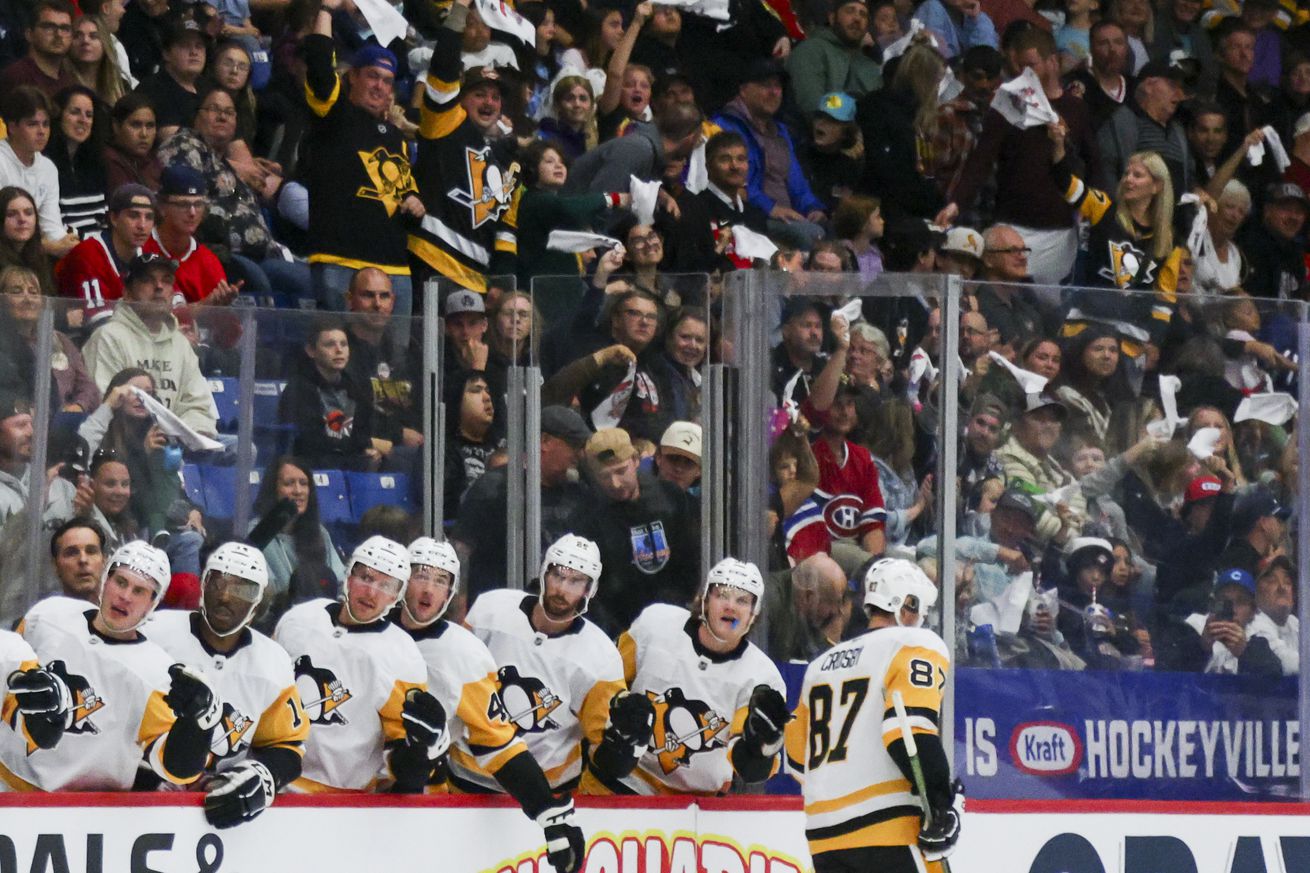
x,y
1007,302
808,609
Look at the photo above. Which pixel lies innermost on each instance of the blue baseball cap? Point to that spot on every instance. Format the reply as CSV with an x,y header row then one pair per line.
x,y
837,105
181,179
374,55
1235,576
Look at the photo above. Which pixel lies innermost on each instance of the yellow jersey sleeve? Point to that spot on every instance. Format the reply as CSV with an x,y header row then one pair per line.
x,y
595,710
628,652
284,724
919,674
393,727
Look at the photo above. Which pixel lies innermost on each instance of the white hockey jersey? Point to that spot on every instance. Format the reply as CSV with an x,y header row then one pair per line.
x,y
701,700
462,676
352,683
15,654
855,795
261,706
118,714
555,691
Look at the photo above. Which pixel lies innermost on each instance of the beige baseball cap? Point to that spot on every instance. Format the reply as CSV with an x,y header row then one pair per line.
x,y
608,445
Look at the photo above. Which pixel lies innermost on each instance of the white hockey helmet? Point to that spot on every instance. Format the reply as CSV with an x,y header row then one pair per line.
x,y
889,583
738,574
244,562
386,556
427,552
140,557
576,553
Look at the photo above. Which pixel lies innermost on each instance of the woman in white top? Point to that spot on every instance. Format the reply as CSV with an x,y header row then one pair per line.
x,y
1219,264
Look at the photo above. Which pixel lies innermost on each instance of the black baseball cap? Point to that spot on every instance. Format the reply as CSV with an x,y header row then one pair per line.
x,y
1255,505
1162,70
562,422
181,180
147,263
1019,502
763,69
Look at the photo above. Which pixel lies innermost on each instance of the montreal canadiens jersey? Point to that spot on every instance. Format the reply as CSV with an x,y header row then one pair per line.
x,y
554,691
118,712
855,794
261,705
15,654
462,676
352,684
701,700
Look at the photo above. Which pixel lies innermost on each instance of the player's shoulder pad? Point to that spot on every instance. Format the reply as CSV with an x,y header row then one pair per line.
x,y
921,637
399,656
14,649
460,651
492,607
303,616
658,619
274,661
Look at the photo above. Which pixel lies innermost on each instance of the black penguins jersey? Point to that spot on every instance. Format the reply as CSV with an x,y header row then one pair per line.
x,y
357,173
472,209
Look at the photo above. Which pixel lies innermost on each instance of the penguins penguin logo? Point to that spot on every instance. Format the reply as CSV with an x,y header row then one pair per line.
x,y
321,691
230,737
86,702
684,728
523,701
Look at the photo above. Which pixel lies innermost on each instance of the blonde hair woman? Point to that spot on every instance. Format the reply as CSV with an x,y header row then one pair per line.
x,y
572,119
92,59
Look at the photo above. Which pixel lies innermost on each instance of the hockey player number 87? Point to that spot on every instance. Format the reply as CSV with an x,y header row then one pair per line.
x,y
823,720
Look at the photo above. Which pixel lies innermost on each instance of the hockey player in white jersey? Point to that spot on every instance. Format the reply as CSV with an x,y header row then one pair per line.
x,y
34,702
846,745
559,679
720,703
132,708
259,746
363,683
462,676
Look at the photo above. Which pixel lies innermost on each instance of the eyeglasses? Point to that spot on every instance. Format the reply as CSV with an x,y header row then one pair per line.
x,y
189,205
234,66
219,111
644,317
1015,250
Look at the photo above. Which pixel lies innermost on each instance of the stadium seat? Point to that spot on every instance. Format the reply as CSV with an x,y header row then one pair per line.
x,y
333,497
371,489
220,486
193,485
268,392
225,390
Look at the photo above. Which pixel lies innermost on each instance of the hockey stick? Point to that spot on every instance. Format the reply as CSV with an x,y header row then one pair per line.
x,y
916,769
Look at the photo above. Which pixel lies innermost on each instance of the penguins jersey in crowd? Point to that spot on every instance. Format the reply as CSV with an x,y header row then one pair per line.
x,y
15,654
118,717
261,705
356,171
462,676
701,700
352,682
855,793
472,213
555,691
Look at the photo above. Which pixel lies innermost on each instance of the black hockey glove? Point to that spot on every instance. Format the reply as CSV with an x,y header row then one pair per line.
x,y
190,696
41,692
937,840
566,847
766,719
425,723
239,794
632,719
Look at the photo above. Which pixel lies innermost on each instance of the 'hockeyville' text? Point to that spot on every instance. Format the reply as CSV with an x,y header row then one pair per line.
x,y
1117,749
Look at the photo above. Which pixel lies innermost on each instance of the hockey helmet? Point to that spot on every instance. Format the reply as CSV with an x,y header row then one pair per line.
x,y
738,574
890,583
145,559
240,560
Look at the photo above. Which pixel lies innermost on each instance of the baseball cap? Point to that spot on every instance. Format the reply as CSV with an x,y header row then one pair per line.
x,y
183,28
147,263
374,55
564,423
964,241
1037,402
1302,126
1161,70
1234,576
465,301
1270,564
609,444
477,76
1285,191
1019,502
763,69
682,438
837,105
181,179
1202,488
668,79
989,404
1084,551
131,194
1255,505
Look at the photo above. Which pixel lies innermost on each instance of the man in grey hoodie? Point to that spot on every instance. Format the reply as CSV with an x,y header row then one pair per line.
x,y
831,58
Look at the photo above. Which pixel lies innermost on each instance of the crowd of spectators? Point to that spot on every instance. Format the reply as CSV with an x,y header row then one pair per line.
x,y
1130,231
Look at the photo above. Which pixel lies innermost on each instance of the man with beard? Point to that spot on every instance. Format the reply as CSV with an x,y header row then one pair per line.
x,y
832,58
461,675
982,437
559,679
797,360
1103,84
264,724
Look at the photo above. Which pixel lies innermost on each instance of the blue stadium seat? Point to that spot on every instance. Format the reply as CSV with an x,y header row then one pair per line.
x,y
193,485
220,486
333,497
225,390
268,392
371,489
